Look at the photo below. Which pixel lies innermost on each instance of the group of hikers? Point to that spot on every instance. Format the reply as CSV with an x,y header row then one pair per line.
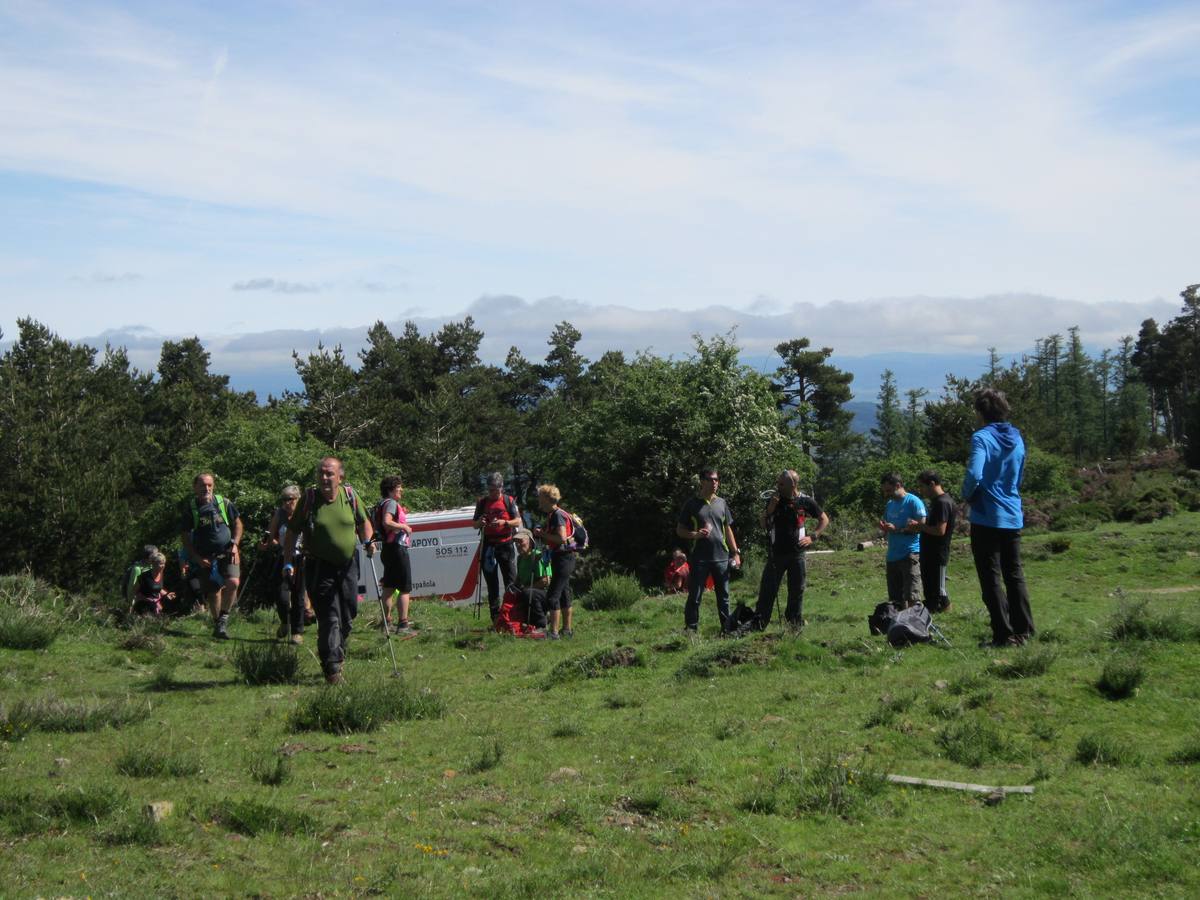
x,y
315,534
918,537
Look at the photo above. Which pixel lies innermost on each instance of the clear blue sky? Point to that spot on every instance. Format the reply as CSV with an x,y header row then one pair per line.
x,y
235,167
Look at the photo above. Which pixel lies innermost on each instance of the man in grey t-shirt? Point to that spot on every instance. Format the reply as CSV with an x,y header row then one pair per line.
x,y
707,523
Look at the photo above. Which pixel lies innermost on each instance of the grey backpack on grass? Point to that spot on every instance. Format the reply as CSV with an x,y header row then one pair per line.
x,y
902,626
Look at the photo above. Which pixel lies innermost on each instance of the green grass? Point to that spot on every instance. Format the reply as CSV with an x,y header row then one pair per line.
x,y
633,760
27,628
268,663
363,706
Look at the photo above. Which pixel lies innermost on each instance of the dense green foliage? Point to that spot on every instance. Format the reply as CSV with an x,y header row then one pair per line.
x,y
99,456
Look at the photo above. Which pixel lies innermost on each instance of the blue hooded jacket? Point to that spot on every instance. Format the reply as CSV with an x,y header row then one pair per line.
x,y
993,478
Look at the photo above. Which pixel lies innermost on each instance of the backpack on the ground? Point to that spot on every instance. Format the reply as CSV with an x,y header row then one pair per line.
x,y
881,620
578,540
741,621
130,579
911,626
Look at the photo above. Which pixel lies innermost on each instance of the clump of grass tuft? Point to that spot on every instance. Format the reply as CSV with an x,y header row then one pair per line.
x,y
143,637
1101,749
27,628
889,707
673,644
138,761
593,665
830,787
612,592
252,818
1121,677
1188,753
55,714
762,800
566,730
1133,621
725,655
271,768
25,813
489,757
268,663
1058,544
972,742
730,729
621,701
1027,662
162,678
363,706
134,829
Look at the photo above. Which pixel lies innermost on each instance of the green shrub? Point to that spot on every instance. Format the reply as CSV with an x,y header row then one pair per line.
x,y
143,637
972,742
1027,662
151,761
593,665
1121,677
267,663
26,813
889,707
271,768
1097,748
251,818
1133,621
27,628
1188,753
613,592
728,654
54,714
489,757
363,706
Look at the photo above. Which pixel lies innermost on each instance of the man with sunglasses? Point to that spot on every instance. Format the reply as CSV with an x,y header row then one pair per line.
x,y
707,524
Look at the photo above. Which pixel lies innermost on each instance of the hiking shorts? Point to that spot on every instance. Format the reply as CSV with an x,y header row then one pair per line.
x,y
227,568
397,568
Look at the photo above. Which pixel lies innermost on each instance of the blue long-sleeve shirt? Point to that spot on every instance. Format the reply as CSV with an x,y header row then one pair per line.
x,y
993,479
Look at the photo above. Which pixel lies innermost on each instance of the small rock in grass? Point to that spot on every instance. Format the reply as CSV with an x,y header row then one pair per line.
x,y
159,810
994,798
564,774
941,684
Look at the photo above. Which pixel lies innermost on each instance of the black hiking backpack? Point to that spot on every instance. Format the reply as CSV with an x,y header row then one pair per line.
x,y
902,626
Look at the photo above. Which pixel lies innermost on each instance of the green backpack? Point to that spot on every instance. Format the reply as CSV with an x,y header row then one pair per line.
x,y
220,507
130,580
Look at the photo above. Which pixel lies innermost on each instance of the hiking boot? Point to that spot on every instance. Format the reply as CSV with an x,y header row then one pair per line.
x,y
568,633
296,639
552,635
335,677
283,631
221,629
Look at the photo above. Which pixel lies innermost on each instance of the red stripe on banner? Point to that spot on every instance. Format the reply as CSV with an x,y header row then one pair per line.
x,y
471,583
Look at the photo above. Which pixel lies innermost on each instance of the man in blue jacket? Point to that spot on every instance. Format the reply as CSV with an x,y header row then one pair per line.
x,y
992,488
903,518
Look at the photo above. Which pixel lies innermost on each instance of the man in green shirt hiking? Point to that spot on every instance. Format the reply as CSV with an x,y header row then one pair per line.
x,y
332,521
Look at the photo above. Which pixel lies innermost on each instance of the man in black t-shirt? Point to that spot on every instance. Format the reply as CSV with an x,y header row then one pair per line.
x,y
935,541
793,521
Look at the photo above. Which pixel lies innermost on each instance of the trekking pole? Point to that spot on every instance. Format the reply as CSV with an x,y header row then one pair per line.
x,y
479,583
242,586
387,632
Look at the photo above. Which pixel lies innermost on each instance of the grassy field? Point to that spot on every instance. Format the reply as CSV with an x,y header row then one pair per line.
x,y
629,761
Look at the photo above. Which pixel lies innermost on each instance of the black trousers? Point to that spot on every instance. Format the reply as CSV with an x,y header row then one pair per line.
x,y
997,553
289,595
933,580
558,594
334,594
506,562
795,570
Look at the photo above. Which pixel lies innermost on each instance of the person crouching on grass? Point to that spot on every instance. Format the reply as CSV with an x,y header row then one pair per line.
x,y
557,536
